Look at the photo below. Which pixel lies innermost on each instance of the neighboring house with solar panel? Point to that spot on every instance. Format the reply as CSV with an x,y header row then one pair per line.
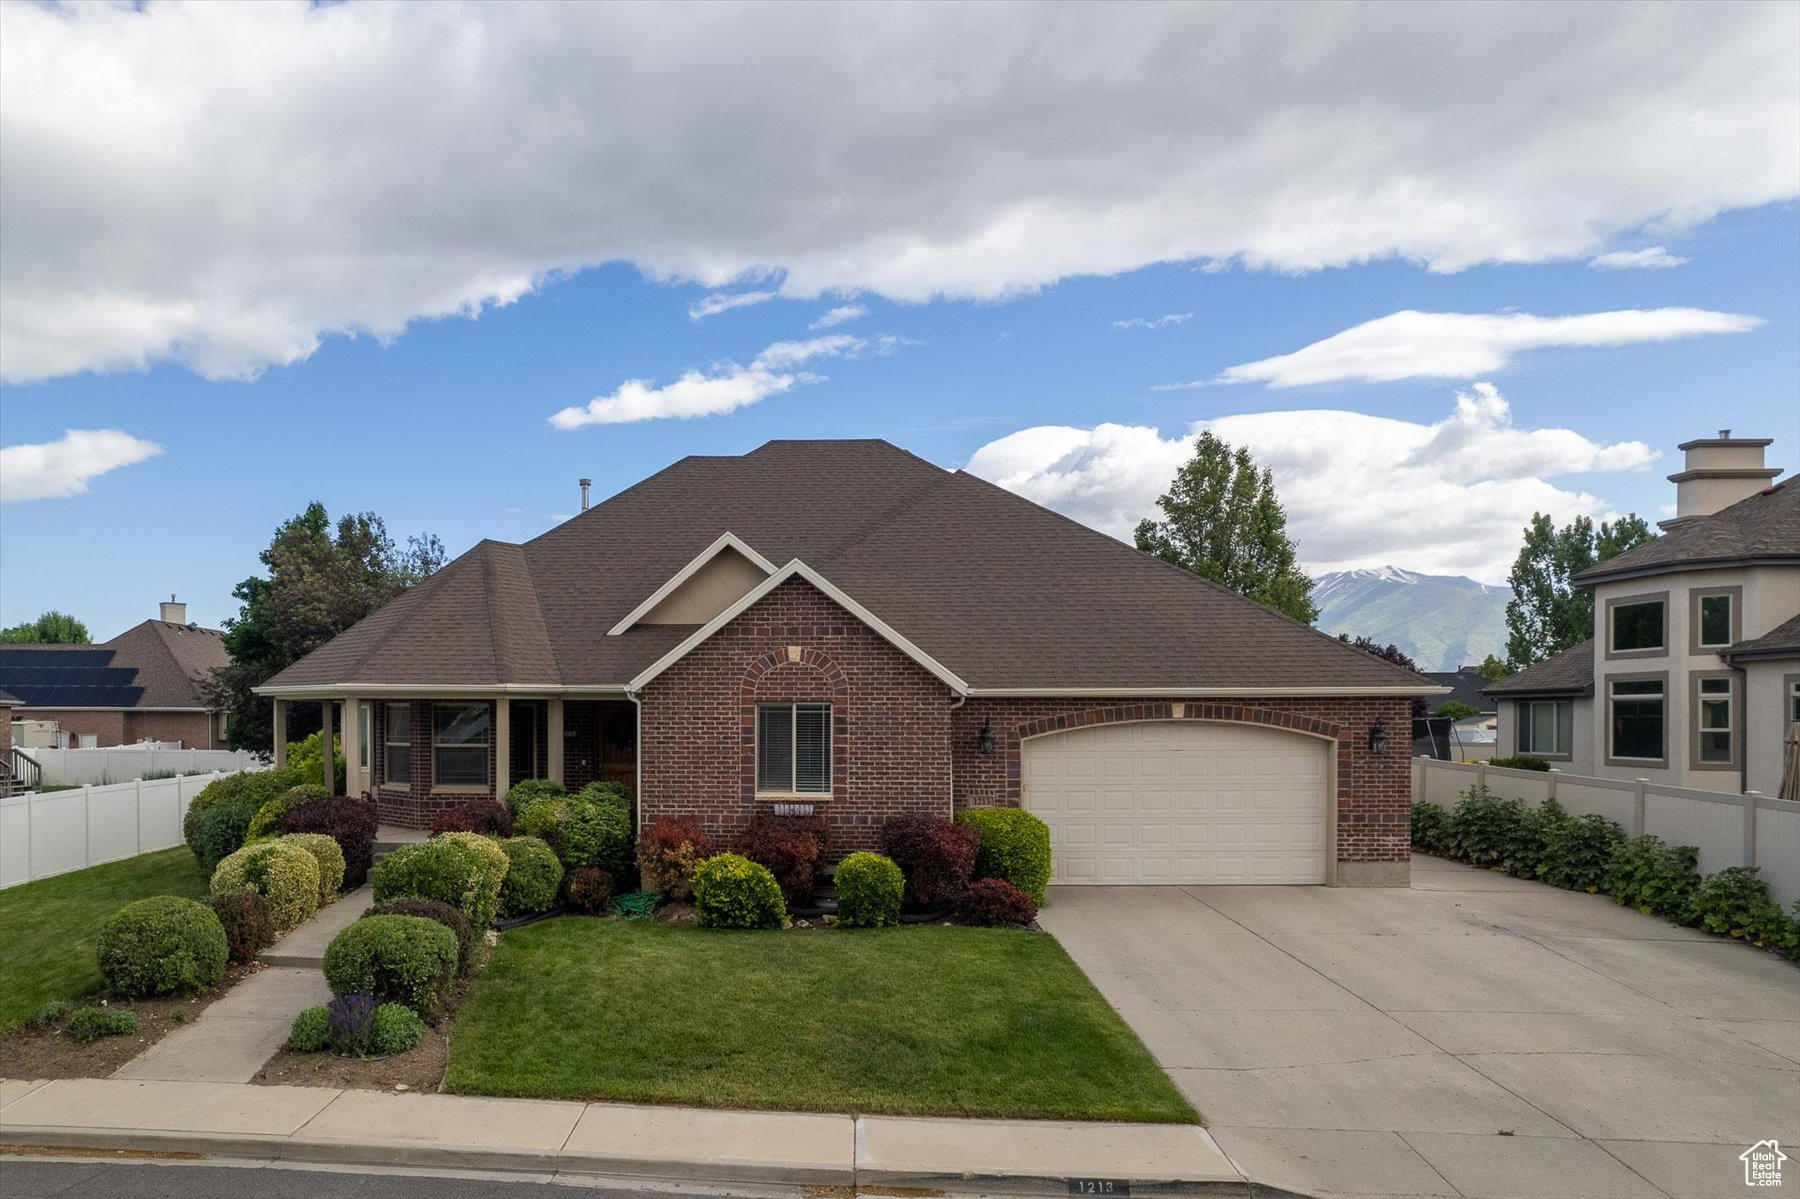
x,y
143,685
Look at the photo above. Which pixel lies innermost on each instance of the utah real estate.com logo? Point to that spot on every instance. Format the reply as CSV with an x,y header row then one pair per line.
x,y
1762,1164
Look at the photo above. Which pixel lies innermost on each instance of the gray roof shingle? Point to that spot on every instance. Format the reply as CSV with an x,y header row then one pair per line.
x,y
1568,673
1782,641
1763,528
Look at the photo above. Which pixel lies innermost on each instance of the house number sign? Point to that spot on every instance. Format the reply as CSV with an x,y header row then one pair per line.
x,y
1100,1186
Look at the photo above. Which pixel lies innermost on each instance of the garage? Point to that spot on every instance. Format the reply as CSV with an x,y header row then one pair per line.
x,y
1181,802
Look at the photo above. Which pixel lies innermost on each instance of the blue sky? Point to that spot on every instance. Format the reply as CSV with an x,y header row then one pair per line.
x,y
441,423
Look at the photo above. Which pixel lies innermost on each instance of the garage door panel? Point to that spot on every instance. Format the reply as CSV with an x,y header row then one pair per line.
x,y
1181,802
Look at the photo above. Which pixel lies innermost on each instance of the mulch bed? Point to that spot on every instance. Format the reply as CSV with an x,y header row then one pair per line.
x,y
48,1052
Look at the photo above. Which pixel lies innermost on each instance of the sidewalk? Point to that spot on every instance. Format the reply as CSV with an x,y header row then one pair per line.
x,y
453,1131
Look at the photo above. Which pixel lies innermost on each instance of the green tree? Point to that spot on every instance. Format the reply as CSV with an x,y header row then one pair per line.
x,y
322,578
1455,709
1547,613
1223,521
52,628
1493,669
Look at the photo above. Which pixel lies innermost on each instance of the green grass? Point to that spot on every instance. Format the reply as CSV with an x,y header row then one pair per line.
x,y
49,929
928,1020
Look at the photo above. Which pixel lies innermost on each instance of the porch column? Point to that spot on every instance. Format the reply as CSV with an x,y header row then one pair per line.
x,y
553,733
352,745
502,745
325,714
280,733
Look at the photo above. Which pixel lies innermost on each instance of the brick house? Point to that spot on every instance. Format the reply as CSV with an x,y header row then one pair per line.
x,y
841,628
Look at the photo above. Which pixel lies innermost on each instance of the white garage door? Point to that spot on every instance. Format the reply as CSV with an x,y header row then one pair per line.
x,y
1180,802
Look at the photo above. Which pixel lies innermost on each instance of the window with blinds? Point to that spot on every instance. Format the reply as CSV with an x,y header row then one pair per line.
x,y
793,749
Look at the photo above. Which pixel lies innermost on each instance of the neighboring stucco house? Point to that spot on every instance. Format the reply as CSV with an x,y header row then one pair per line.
x,y
1692,678
842,628
143,685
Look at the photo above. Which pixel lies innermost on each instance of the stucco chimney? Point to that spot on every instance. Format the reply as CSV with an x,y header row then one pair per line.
x,y
585,484
173,611
1718,473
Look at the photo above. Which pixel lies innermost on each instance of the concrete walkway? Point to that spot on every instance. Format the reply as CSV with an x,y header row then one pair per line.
x,y
234,1036
1474,1036
455,1131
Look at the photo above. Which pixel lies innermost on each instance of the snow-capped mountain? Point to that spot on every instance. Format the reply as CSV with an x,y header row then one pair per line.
x,y
1443,621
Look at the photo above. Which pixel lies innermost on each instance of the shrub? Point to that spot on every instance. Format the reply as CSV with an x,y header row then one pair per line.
x,y
669,852
789,847
494,863
252,787
607,792
394,1028
1523,854
444,914
1484,829
50,1011
349,822
91,1023
869,889
532,879
444,868
526,790
268,817
590,890
1520,762
327,857
1577,850
397,959
731,891
281,872
545,818
937,856
220,831
598,832
311,1031
486,816
994,902
306,758
1430,828
1015,846
1735,902
1652,877
162,945
349,1021
244,915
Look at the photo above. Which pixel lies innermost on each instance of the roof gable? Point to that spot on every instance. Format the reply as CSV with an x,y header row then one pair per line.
x,y
714,579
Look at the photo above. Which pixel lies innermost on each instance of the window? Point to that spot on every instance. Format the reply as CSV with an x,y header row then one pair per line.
x,y
793,749
363,716
1793,698
396,743
1546,727
1712,721
1712,620
1637,626
459,745
1637,719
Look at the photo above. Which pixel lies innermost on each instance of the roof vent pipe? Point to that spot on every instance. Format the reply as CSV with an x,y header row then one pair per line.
x,y
585,484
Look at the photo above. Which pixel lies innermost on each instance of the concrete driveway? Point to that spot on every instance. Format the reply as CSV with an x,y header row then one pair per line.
x,y
1474,1035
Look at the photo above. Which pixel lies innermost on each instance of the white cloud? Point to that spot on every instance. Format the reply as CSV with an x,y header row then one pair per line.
x,y
711,393
725,301
64,467
841,315
1443,498
1462,345
223,185
1154,322
1650,258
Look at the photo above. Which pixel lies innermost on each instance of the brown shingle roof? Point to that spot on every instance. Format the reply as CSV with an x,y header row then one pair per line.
x,y
172,661
1568,673
1763,528
1003,592
1782,641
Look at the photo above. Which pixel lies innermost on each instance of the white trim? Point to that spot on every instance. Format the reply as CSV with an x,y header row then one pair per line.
x,y
725,541
793,569
438,691
1154,692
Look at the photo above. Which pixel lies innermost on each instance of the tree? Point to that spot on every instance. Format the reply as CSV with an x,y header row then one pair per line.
x,y
1222,521
1390,653
1455,709
1493,669
322,579
1547,613
52,628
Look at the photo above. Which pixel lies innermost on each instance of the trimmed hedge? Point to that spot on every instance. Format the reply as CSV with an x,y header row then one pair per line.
x,y
252,787
526,790
936,855
488,817
397,959
349,822
244,915
790,848
327,856
311,1031
669,852
1015,846
994,902
533,877
731,891
449,869
444,914
220,832
280,871
592,828
1521,762
268,817
869,889
162,946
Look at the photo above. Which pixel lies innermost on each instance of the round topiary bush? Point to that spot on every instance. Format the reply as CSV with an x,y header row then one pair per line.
x,y
161,946
791,847
545,818
244,915
495,864
349,822
488,817
936,855
869,889
533,878
219,832
1015,846
327,857
733,892
526,790
444,914
281,872
397,959
394,1028
994,902
589,890
311,1031
268,817
252,787
449,869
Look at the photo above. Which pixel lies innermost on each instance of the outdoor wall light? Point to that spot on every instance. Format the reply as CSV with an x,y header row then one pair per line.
x,y
1378,738
984,740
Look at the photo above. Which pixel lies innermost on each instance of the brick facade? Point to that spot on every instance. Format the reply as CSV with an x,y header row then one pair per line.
x,y
116,726
416,804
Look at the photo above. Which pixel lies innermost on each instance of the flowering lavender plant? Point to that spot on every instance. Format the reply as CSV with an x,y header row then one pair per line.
x,y
351,1017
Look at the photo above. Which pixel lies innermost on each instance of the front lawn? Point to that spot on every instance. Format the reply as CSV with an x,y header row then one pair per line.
x,y
49,929
927,1020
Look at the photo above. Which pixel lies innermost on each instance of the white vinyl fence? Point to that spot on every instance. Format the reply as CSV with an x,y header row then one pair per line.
x,y
44,833
1728,829
121,764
